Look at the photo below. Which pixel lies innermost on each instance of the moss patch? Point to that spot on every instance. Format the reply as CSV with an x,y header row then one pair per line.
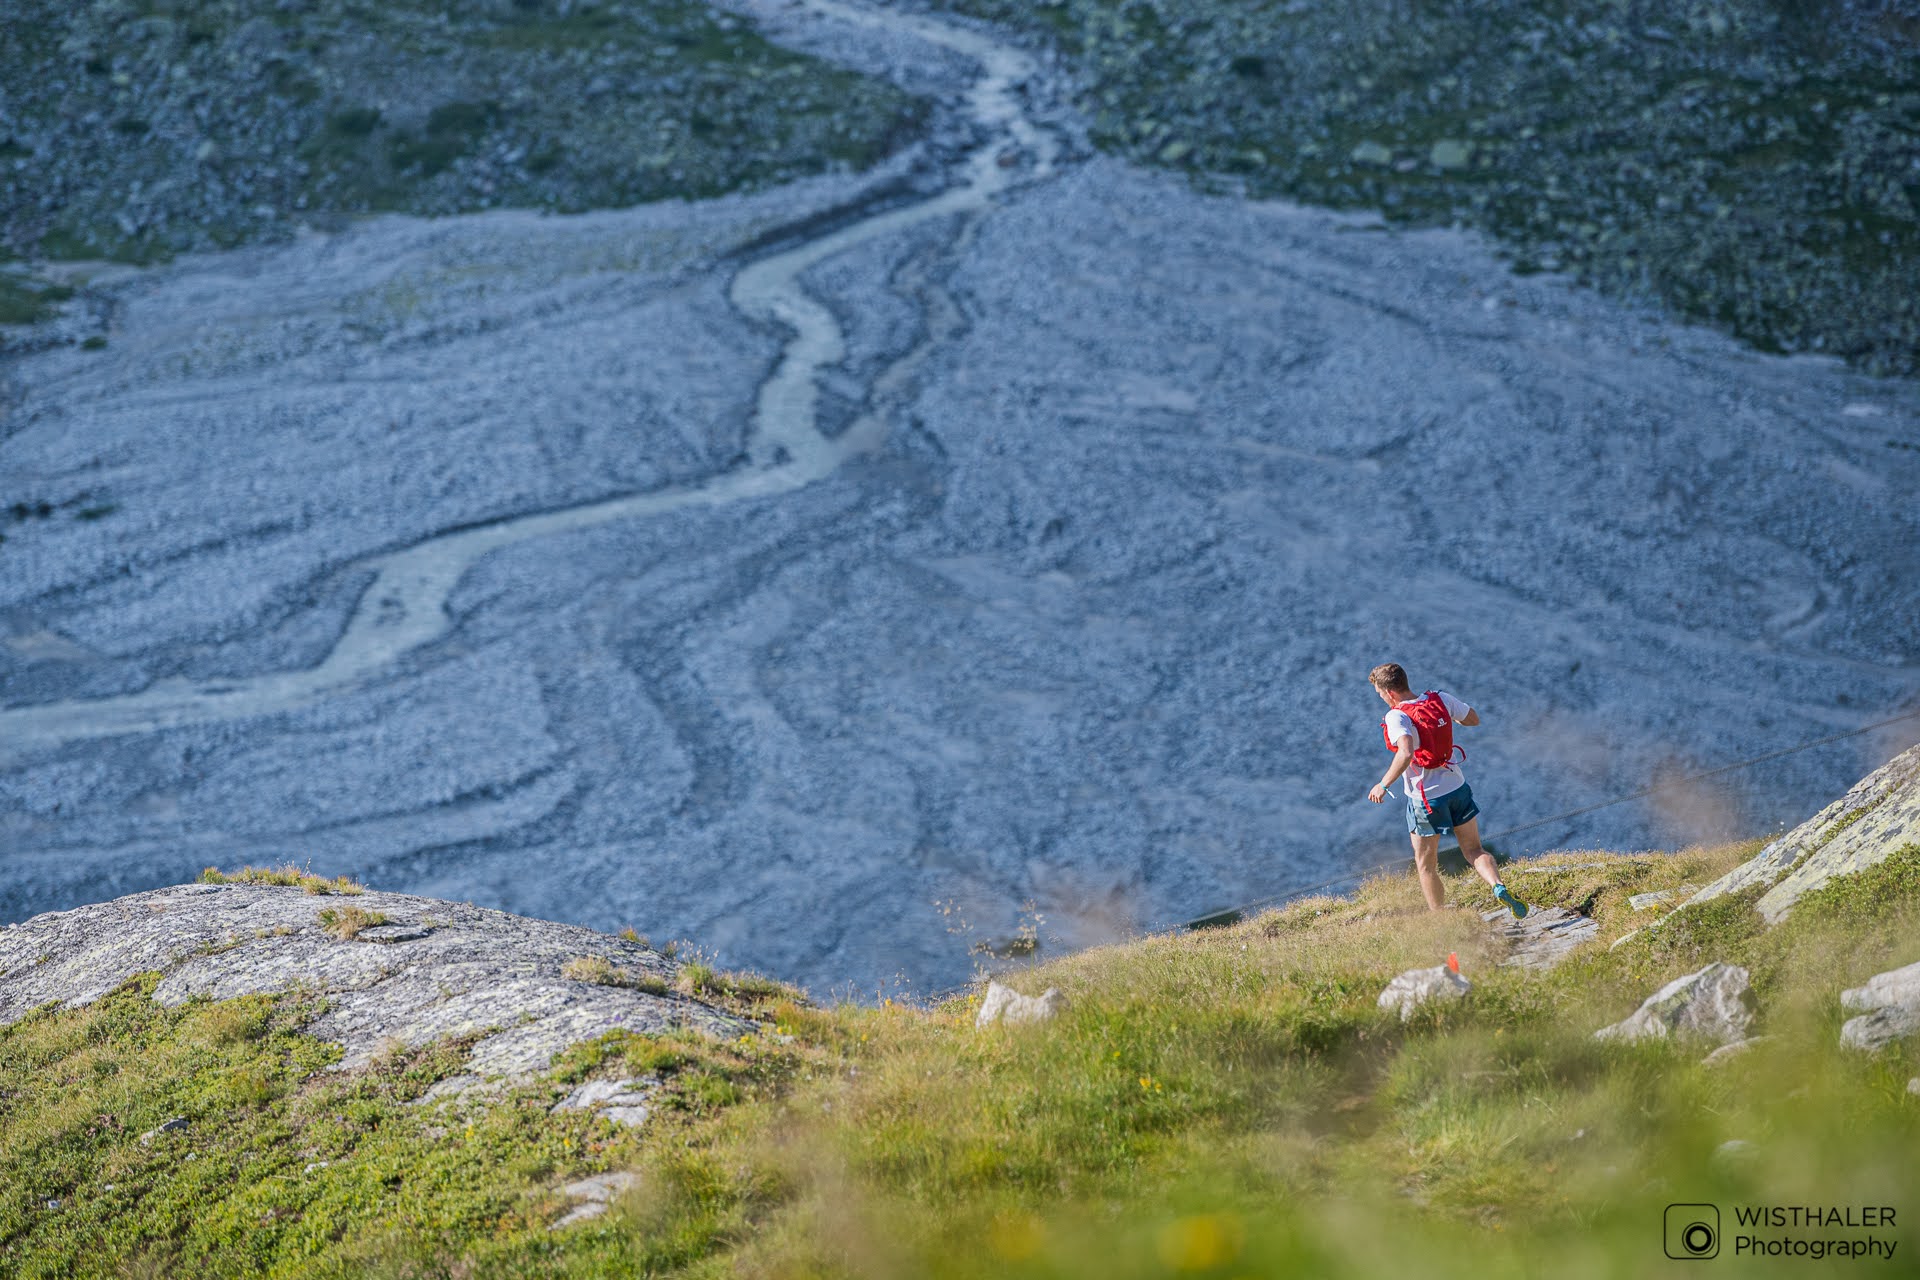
x,y
25,299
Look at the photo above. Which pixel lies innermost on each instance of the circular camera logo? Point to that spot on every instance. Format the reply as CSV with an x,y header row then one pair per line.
x,y
1693,1231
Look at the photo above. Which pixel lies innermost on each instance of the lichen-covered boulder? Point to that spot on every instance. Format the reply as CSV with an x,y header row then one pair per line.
x,y
411,969
1879,815
1004,1004
1889,1005
1417,986
1713,1004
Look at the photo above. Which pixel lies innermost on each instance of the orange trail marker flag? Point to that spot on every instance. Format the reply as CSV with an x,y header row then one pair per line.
x,y
1453,961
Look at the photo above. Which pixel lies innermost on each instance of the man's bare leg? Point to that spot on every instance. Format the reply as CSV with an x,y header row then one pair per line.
x,y
1468,834
1426,862
1471,849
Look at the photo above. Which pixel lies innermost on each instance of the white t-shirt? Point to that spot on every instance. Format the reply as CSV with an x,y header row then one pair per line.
x,y
1435,782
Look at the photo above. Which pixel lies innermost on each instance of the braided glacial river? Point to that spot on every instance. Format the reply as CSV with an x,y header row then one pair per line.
x,y
405,606
1005,530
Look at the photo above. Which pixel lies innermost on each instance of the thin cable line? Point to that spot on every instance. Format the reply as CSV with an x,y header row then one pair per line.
x,y
1710,773
1225,914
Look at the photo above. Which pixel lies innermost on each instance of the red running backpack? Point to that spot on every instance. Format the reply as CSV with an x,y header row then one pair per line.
x,y
1433,731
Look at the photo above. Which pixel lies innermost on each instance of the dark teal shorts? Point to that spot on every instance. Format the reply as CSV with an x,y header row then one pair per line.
x,y
1449,811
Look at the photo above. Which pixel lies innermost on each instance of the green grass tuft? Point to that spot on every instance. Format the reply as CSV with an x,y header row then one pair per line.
x,y
347,923
599,970
285,874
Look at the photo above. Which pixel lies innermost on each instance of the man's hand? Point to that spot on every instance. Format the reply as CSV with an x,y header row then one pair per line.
x,y
1402,757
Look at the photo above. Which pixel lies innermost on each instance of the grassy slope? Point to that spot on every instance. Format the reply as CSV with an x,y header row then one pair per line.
x,y
1230,1102
1750,163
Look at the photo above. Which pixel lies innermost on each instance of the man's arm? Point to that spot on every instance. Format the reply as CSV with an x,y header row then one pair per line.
x,y
1470,719
1402,757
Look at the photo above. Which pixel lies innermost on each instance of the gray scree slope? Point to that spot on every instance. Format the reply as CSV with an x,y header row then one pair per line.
x,y
761,574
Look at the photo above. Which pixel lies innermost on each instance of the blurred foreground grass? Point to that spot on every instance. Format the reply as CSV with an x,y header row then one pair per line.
x,y
1224,1103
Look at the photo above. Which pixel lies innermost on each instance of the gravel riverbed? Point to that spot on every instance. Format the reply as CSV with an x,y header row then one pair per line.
x,y
1127,485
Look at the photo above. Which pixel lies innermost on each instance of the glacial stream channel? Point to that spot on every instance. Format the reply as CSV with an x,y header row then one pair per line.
x,y
404,607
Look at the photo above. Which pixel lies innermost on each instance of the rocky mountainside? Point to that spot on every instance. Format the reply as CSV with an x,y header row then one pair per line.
x,y
1749,163
1879,815
135,132
144,1131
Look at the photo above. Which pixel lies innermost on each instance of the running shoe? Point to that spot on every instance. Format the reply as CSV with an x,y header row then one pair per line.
x,y
1505,897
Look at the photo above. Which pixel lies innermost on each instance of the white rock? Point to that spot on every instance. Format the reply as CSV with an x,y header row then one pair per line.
x,y
1735,1151
1889,1005
602,1187
1004,1004
1713,1003
1729,1051
1913,1085
594,1092
621,1101
1371,152
596,1191
472,972
166,1126
1895,986
453,1087
580,1213
1880,1028
1417,986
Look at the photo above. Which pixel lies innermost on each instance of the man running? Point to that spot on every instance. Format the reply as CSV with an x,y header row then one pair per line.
x,y
1419,731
